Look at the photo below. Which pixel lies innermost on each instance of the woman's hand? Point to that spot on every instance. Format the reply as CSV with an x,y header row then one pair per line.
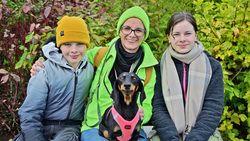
x,y
141,113
34,68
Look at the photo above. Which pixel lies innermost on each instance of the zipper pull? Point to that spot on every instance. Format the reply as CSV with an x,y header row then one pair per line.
x,y
187,130
76,77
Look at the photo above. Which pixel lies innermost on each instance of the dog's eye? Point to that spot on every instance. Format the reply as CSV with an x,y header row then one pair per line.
x,y
133,78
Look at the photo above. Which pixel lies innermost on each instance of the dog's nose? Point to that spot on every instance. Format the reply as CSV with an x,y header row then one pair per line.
x,y
127,86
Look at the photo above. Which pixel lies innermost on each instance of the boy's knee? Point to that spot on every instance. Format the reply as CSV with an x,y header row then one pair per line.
x,y
69,134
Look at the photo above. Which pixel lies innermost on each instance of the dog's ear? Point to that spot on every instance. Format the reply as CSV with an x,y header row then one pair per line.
x,y
114,94
142,95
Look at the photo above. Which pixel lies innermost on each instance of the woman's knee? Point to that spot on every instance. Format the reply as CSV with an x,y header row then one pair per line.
x,y
92,135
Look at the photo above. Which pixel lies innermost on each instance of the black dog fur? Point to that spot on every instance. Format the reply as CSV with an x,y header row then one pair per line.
x,y
125,93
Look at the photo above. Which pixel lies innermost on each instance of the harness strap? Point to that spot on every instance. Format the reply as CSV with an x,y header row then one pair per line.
x,y
127,127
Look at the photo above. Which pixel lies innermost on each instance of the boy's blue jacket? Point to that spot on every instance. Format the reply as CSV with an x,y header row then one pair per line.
x,y
56,92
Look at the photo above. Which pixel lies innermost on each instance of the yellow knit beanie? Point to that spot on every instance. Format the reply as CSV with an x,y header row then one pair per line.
x,y
72,29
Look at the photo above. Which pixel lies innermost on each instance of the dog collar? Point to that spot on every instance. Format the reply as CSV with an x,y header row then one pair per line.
x,y
127,127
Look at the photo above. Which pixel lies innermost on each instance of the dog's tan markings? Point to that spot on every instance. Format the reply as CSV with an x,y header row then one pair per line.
x,y
136,89
132,88
122,87
119,87
117,128
137,128
106,134
127,99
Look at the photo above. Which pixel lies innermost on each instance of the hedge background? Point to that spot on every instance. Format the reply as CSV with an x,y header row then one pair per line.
x,y
223,29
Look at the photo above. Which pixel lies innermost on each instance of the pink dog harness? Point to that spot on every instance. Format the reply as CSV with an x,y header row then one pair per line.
x,y
127,127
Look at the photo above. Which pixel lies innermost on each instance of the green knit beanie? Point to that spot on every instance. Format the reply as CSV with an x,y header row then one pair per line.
x,y
136,12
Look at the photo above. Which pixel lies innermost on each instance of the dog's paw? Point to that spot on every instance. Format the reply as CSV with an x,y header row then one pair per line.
x,y
106,134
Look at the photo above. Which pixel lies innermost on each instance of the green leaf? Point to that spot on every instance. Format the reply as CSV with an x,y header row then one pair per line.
x,y
229,92
19,64
229,82
218,33
242,107
22,47
47,27
24,56
231,136
230,126
31,47
227,45
242,117
237,92
29,37
35,47
205,30
235,118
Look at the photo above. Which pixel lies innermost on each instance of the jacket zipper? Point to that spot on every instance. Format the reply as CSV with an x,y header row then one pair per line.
x,y
184,80
72,101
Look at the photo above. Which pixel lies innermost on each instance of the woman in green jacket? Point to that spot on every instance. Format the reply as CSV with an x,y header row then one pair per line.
x,y
127,52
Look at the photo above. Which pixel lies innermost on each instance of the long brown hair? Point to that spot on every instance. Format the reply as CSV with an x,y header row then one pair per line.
x,y
179,17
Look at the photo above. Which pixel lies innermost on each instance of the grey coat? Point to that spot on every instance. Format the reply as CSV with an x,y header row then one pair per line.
x,y
56,92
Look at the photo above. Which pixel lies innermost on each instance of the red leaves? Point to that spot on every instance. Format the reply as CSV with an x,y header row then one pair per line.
x,y
3,71
59,10
4,1
16,77
26,8
5,78
45,30
1,15
32,26
47,12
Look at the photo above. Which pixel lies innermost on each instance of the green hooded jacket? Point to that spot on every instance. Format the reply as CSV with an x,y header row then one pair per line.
x,y
100,92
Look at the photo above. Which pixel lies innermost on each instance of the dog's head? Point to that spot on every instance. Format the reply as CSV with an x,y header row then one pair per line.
x,y
128,84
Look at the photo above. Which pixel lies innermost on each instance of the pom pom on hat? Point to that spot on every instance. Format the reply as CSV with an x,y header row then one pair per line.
x,y
136,12
72,29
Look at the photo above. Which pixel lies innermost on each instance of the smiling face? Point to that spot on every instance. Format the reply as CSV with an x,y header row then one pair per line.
x,y
183,37
131,42
73,52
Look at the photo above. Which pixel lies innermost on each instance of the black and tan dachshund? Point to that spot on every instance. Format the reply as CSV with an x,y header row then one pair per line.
x,y
121,121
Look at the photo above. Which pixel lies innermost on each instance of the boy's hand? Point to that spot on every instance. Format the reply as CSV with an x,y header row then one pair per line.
x,y
34,68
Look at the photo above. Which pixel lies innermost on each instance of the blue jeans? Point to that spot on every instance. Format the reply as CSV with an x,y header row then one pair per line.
x,y
93,135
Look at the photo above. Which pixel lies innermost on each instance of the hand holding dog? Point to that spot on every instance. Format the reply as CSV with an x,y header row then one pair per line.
x,y
141,113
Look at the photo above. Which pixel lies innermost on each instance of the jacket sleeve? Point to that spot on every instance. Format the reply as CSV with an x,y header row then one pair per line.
x,y
91,54
212,109
163,123
32,111
147,103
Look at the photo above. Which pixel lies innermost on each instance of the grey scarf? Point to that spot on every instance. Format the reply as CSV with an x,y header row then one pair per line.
x,y
199,76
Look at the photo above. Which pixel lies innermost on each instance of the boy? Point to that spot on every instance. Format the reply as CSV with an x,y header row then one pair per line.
x,y
54,106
